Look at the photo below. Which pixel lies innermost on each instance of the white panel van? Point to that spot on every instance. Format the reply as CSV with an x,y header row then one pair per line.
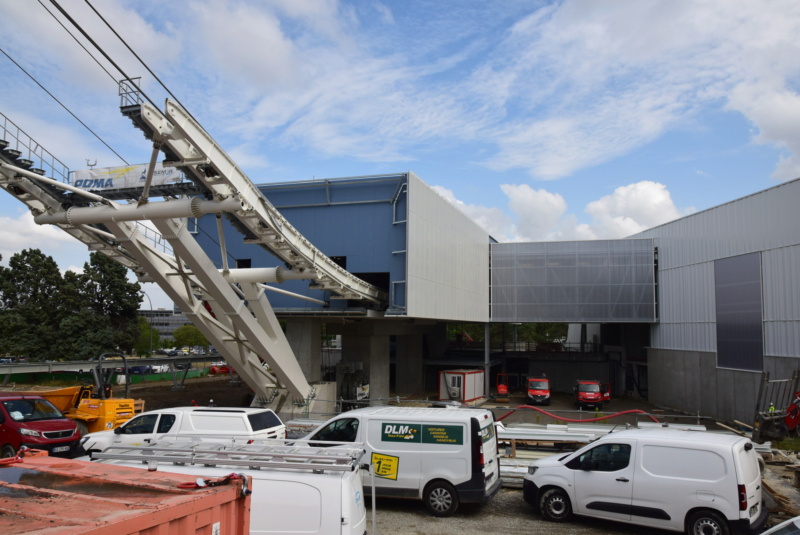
x,y
444,456
692,481
222,422
297,490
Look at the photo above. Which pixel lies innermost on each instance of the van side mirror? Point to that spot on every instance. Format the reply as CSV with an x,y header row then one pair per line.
x,y
118,430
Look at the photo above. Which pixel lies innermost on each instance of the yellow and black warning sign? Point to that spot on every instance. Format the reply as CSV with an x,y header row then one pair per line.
x,y
385,466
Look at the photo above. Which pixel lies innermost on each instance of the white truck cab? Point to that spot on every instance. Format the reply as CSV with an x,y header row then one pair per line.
x,y
222,422
444,456
693,481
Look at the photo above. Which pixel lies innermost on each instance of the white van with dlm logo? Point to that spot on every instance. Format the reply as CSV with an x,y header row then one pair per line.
x,y
444,456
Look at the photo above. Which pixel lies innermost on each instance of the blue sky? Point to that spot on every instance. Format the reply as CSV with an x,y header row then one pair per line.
x,y
574,119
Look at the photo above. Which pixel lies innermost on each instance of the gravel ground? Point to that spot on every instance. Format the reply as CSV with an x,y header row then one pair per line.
x,y
506,514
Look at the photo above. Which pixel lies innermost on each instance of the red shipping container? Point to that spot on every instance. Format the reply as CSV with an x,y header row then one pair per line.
x,y
66,497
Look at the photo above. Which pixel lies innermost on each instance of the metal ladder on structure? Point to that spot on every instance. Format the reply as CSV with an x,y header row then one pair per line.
x,y
227,305
253,454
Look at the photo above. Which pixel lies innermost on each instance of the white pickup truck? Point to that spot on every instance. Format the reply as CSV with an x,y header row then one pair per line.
x,y
219,422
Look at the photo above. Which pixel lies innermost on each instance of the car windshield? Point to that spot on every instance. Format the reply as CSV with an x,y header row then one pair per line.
x,y
537,385
30,410
588,388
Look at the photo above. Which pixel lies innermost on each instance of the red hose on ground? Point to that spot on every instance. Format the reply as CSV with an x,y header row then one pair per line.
x,y
551,415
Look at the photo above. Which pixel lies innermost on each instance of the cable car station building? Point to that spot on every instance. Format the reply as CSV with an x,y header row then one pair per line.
x,y
688,313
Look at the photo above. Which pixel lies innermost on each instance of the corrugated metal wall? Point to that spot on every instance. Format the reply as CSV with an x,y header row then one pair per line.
x,y
683,371
448,259
767,222
686,298
781,272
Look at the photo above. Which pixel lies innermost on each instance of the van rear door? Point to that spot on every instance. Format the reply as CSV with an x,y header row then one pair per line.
x,y
491,464
749,477
354,512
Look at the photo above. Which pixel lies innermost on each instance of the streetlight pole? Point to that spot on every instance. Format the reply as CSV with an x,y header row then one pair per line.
x,y
149,321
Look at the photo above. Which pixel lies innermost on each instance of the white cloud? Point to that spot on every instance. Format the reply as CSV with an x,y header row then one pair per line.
x,y
537,211
541,215
492,220
23,233
631,209
384,13
585,82
562,87
775,111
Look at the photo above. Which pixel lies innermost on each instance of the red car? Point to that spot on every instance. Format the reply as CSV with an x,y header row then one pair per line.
x,y
591,394
219,367
34,422
538,390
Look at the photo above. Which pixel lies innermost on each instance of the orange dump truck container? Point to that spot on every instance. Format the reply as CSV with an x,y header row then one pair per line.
x,y
63,399
44,494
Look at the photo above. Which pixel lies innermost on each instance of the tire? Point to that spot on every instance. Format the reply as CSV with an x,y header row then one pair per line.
x,y
83,429
440,498
7,451
555,505
707,523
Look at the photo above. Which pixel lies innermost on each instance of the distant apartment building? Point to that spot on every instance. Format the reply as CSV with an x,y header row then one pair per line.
x,y
165,321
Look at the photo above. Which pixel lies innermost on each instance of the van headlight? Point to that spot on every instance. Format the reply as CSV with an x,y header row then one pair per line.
x,y
28,432
532,470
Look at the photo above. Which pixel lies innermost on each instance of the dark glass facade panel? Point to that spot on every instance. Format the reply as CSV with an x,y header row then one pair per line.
x,y
740,338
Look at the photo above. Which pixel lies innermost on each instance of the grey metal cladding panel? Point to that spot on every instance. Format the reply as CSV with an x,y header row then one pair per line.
x,y
781,280
686,294
762,221
448,259
739,317
781,340
684,336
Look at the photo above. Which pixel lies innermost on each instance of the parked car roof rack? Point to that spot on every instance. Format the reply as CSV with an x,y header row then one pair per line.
x,y
287,454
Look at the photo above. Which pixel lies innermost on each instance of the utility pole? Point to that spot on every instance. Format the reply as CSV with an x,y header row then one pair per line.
x,y
149,321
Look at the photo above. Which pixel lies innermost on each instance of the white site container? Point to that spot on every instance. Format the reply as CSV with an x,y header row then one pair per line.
x,y
461,385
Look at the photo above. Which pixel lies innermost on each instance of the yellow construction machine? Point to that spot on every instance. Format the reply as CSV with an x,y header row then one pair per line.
x,y
93,406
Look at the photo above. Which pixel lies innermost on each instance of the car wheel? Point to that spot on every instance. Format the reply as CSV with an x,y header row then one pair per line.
x,y
555,505
707,523
7,451
440,498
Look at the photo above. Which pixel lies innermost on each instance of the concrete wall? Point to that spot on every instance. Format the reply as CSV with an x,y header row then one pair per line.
x,y
689,381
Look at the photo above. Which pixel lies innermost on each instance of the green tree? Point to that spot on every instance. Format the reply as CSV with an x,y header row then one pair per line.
x,y
31,289
146,344
110,294
189,336
47,316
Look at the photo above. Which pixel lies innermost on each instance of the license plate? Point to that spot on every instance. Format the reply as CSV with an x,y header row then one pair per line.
x,y
59,449
754,510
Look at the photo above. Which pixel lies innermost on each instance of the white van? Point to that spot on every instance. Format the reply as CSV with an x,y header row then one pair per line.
x,y
444,456
296,490
692,481
223,422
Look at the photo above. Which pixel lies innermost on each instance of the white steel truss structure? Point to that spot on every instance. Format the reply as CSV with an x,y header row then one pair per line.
x,y
227,305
